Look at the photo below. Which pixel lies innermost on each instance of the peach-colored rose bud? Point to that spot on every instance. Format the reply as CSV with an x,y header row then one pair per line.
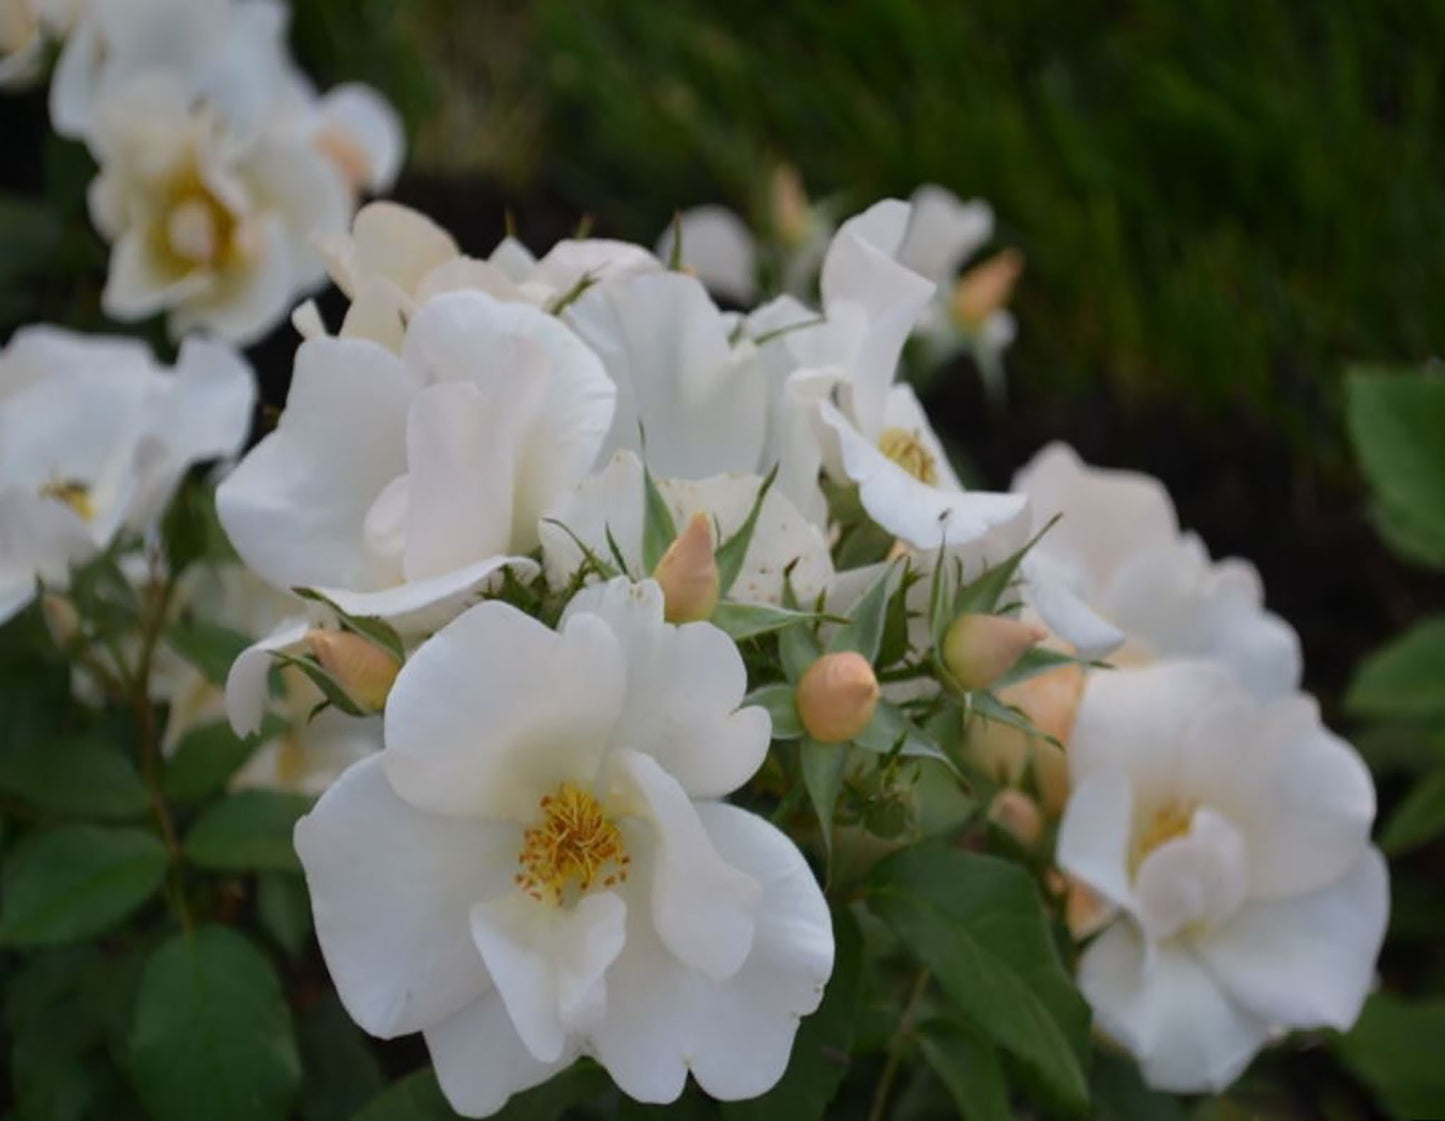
x,y
688,574
836,697
792,212
1086,912
361,667
985,288
1017,814
61,618
979,649
1051,775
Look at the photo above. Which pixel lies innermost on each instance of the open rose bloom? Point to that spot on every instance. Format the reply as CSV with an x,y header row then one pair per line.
x,y
527,873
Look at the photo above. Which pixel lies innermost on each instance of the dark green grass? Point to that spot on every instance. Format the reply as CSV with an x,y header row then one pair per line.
x,y
1221,202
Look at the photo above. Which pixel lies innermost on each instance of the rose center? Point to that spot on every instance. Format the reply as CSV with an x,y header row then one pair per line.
x,y
906,449
1172,819
574,848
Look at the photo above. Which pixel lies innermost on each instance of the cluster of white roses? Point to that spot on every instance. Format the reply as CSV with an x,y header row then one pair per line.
x,y
219,162
535,505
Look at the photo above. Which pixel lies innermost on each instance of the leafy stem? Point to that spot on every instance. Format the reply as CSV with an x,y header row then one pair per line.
x,y
898,1046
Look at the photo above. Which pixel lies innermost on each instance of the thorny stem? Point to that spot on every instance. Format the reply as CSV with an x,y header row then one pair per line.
x,y
148,742
897,1046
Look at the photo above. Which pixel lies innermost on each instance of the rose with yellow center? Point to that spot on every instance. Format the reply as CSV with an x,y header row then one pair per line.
x,y
537,864
1231,838
573,847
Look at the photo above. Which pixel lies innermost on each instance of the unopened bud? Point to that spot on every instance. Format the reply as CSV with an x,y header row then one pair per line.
x,y
979,649
836,697
361,667
792,213
688,574
1018,815
61,618
1086,912
985,288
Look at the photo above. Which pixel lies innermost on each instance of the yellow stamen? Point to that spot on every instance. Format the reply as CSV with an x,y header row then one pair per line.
x,y
906,449
574,848
74,494
1171,820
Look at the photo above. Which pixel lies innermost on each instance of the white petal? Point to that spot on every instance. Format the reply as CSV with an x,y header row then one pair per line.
x,y
495,711
1138,720
460,493
684,686
549,963
1301,796
700,407
244,301
1095,834
139,285
390,241
664,1018
419,607
480,1059
1306,961
861,270
609,502
1187,1034
943,232
1108,515
704,910
600,259
1197,879
392,889
716,248
295,506
925,517
312,755
1051,591
369,122
247,691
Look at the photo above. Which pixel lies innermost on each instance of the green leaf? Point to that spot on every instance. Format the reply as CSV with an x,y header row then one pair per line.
x,y
210,647
1407,540
1403,680
797,649
968,1066
1420,818
985,594
341,1072
891,731
66,884
863,631
334,692
1397,421
780,701
1395,1048
822,765
978,925
1040,659
986,706
658,529
248,832
418,1097
748,620
206,757
212,1026
824,1045
80,777
729,555
1121,1095
283,907
370,627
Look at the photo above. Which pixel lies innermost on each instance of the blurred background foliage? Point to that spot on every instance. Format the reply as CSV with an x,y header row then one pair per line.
x,y
1221,202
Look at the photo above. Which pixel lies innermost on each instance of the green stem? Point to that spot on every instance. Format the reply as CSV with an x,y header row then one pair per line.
x,y
897,1046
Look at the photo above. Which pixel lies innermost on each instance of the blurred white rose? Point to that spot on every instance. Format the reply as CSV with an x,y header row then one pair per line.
x,y
94,437
1232,837
213,230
